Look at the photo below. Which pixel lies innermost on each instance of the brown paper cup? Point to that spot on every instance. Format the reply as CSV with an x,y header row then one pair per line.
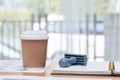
x,y
34,50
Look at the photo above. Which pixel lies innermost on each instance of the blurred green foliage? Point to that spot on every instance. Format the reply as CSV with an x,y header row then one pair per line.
x,y
49,6
15,15
100,7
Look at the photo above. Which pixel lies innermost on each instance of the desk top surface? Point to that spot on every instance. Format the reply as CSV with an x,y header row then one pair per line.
x,y
49,69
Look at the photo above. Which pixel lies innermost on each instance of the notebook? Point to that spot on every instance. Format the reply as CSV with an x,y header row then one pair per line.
x,y
92,68
16,66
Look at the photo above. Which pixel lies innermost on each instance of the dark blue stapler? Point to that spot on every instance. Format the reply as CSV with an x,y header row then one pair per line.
x,y
73,59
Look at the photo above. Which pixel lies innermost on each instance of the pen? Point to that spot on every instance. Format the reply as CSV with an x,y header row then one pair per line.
x,y
112,67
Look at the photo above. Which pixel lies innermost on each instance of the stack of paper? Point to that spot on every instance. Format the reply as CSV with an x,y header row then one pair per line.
x,y
16,66
42,78
92,68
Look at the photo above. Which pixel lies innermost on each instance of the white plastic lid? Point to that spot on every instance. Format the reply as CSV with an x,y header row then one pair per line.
x,y
34,35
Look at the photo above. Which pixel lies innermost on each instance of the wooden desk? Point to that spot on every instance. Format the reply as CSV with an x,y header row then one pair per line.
x,y
49,70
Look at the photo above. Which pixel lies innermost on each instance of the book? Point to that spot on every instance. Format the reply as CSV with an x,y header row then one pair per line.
x,y
92,68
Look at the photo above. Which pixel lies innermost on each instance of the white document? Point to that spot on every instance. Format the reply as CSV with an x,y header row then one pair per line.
x,y
43,78
16,66
91,68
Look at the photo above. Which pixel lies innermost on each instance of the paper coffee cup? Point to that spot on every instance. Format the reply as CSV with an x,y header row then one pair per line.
x,y
34,48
